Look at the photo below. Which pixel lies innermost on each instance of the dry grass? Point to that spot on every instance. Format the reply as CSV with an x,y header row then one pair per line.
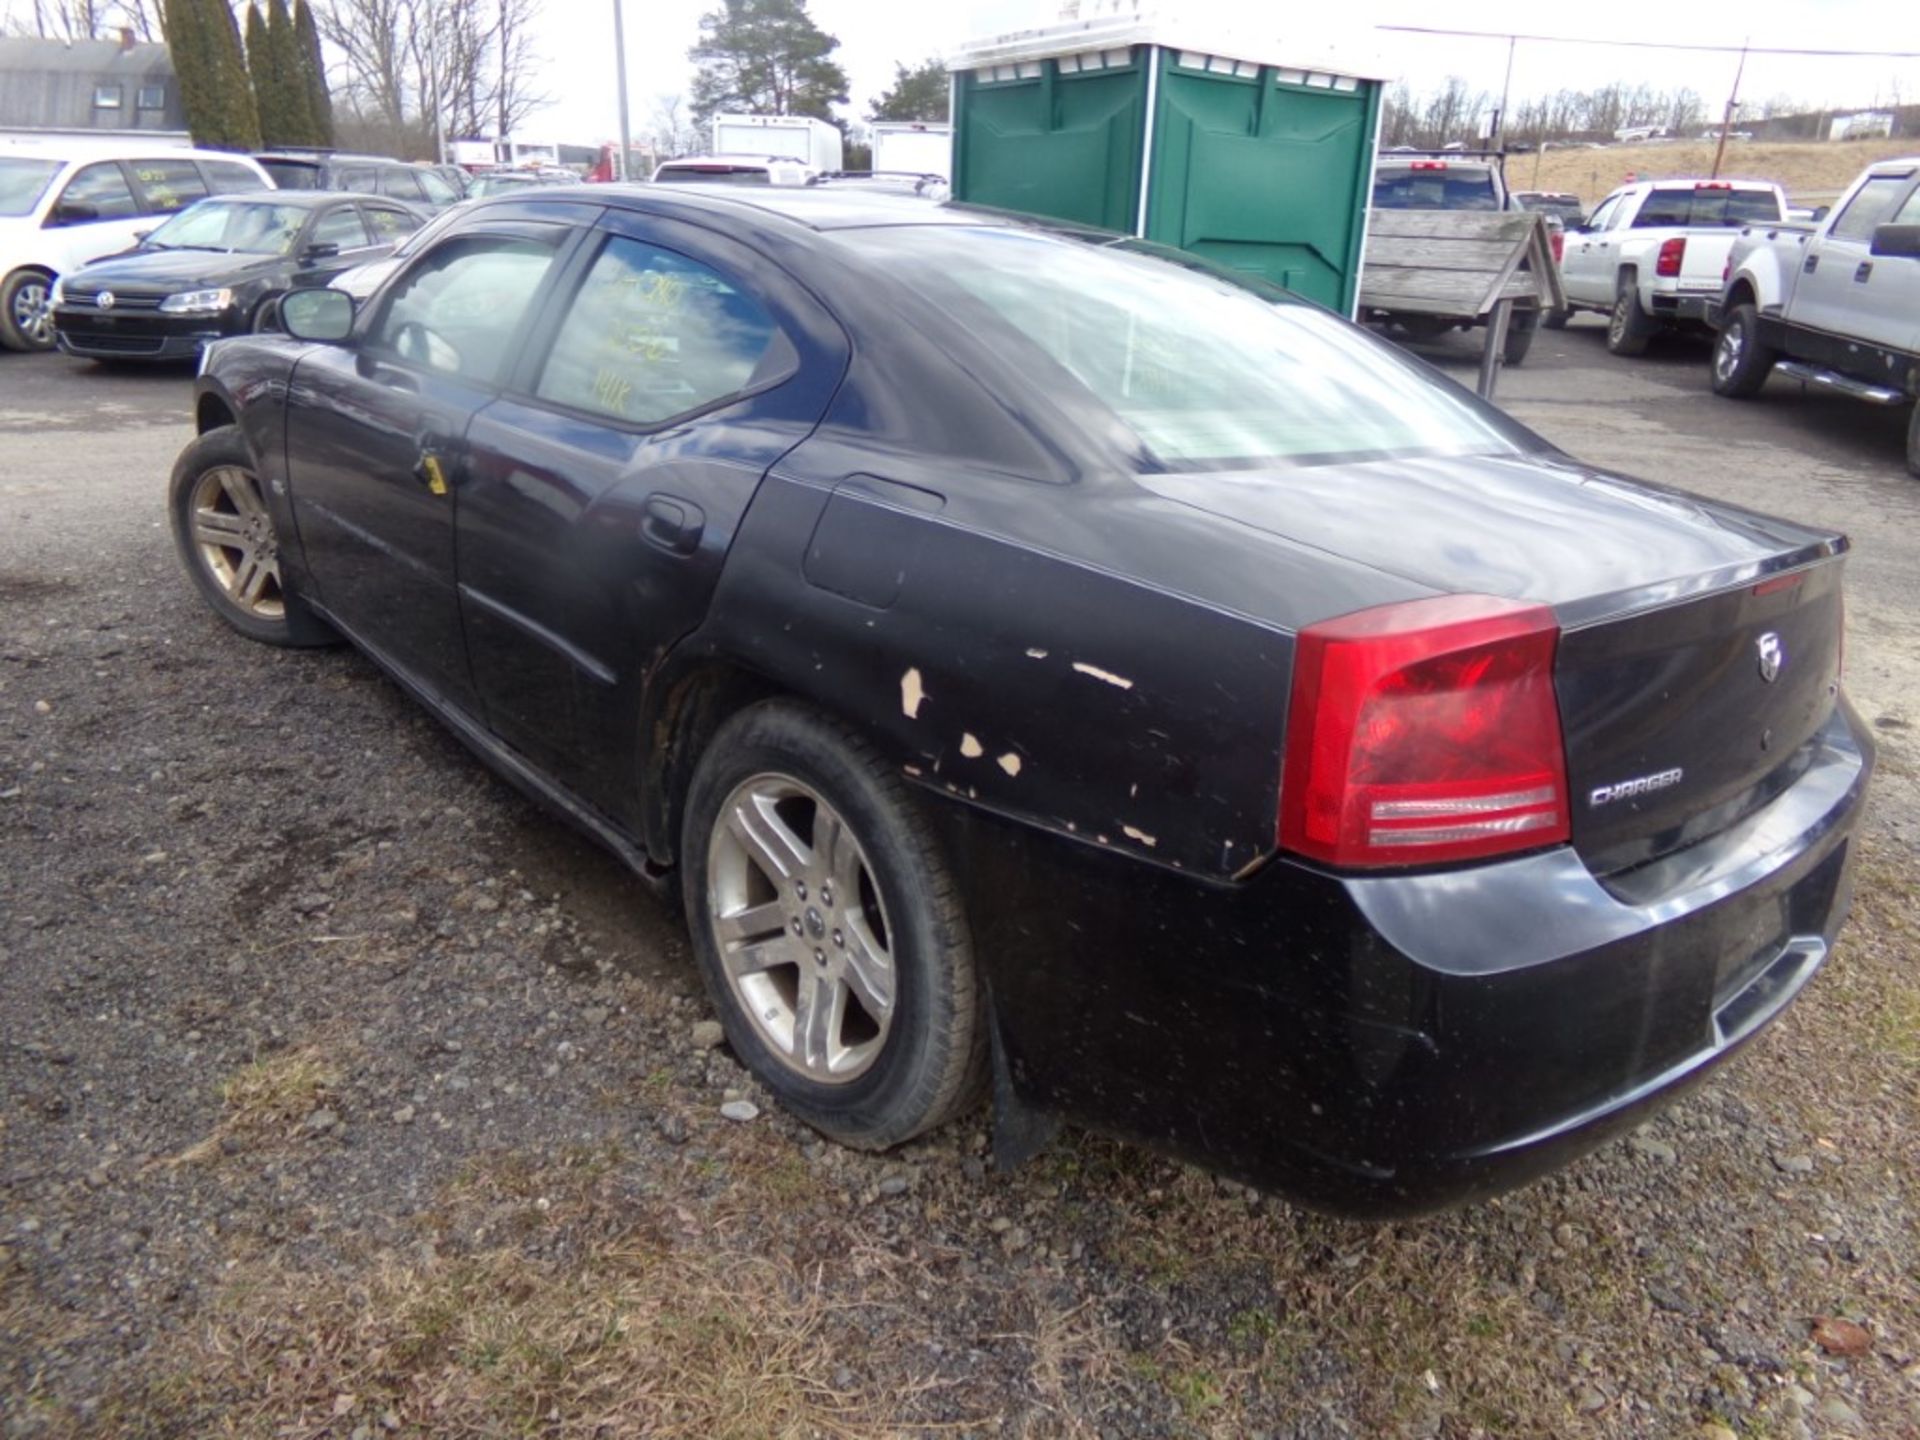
x,y
268,1098
1812,173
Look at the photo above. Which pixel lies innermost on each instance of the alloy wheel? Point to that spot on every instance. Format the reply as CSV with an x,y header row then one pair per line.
x,y
801,929
32,314
1617,322
1726,356
234,536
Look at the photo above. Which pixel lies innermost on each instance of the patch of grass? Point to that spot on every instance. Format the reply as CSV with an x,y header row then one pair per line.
x,y
267,1098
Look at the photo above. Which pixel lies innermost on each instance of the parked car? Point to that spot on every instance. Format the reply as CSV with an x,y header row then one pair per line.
x,y
1012,645
362,280
735,170
65,202
1653,254
926,185
1565,206
1836,304
219,268
1452,179
421,186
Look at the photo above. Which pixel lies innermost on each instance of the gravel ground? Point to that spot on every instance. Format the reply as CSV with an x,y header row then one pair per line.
x,y
345,1094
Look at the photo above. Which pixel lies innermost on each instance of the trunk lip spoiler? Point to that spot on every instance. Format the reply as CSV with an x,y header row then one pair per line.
x,y
1637,600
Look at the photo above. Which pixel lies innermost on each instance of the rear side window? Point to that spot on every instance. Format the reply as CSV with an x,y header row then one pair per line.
x,y
227,178
1909,213
439,192
104,187
1449,189
1868,208
358,177
1693,206
398,184
389,225
289,175
651,335
169,185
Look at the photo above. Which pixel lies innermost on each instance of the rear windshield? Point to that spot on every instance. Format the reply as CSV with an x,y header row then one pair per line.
x,y
1205,373
1453,188
1688,205
716,174
23,182
291,175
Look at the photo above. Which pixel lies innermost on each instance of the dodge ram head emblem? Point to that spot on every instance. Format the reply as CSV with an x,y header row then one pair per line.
x,y
104,299
1772,656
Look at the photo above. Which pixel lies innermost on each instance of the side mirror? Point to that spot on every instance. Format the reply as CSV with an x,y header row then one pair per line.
x,y
320,250
75,212
1820,213
1900,240
317,314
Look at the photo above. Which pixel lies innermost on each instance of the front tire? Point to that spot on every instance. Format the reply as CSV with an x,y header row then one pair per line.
x,y
1629,328
227,540
26,311
1522,326
829,929
1741,363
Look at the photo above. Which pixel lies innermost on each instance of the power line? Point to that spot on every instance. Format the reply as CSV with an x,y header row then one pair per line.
x,y
1658,44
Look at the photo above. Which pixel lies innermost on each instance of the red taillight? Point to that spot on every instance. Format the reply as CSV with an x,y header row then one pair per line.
x,y
1427,165
1714,185
1672,252
1559,239
1424,732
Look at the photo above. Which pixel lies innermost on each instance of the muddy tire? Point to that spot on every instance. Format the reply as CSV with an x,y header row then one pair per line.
x,y
1741,363
1629,328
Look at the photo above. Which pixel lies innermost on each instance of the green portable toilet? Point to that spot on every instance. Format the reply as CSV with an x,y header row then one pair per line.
x,y
1258,156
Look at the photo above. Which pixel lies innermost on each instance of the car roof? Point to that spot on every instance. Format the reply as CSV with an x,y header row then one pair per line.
x,y
1898,166
91,147
774,207
298,199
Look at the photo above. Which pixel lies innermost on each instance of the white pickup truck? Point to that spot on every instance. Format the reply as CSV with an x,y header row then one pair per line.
x,y
1835,304
1651,254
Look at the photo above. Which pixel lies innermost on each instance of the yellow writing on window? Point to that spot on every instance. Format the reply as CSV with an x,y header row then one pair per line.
x,y
611,391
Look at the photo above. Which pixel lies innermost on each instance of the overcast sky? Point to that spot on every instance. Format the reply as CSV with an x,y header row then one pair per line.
x,y
576,43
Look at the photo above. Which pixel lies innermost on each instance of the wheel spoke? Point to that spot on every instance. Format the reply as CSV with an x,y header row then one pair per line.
x,y
244,573
759,956
768,839
257,583
837,854
818,1007
869,970
753,923
217,527
239,488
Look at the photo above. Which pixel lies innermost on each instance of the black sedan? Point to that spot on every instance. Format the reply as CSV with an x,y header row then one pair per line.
x,y
218,268
1042,665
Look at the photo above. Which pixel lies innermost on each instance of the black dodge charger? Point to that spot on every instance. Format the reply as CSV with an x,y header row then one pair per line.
x,y
1044,667
218,268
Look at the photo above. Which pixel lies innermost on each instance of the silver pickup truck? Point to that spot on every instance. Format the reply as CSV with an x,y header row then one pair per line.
x,y
1835,304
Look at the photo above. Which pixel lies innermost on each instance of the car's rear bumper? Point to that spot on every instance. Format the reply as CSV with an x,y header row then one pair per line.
x,y
137,335
1395,1044
1692,308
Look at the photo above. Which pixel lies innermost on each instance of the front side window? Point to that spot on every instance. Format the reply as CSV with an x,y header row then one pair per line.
x,y
245,227
652,334
1207,374
342,227
169,184
457,311
291,174
390,225
439,192
1868,208
1603,216
398,184
103,189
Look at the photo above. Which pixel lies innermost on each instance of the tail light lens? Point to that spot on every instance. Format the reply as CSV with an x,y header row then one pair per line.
x,y
1425,732
1559,238
1672,252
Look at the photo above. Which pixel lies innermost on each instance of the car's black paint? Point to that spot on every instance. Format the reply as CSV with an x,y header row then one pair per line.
x,y
135,328
1086,670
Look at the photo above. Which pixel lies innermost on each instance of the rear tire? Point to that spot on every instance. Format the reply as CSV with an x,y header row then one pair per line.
x,y
1521,328
1629,327
1913,441
815,887
26,311
1741,363
224,531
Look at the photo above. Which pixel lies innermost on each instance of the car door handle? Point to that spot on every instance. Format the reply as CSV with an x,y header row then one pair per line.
x,y
1860,275
1811,264
673,524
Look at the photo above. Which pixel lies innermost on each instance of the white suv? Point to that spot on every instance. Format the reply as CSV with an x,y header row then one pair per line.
x,y
63,203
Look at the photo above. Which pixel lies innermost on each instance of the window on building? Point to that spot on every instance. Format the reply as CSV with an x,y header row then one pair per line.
x,y
152,97
106,97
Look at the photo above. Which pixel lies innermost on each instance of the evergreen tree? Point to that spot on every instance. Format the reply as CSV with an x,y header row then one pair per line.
x,y
291,108
918,94
260,67
313,70
203,38
766,57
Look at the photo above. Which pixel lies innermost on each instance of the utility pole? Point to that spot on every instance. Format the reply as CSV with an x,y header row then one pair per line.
x,y
620,68
1733,104
1506,89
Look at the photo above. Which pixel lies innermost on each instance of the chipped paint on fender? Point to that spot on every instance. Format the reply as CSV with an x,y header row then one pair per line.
x,y
912,692
1010,763
1107,675
971,747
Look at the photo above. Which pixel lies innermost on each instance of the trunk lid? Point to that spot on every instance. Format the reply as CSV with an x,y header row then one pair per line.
x,y
1664,600
1704,262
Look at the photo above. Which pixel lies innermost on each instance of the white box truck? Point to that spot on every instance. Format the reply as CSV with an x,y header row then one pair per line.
x,y
913,147
813,143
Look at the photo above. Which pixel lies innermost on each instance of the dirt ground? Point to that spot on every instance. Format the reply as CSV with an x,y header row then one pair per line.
x,y
343,1094
1811,174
